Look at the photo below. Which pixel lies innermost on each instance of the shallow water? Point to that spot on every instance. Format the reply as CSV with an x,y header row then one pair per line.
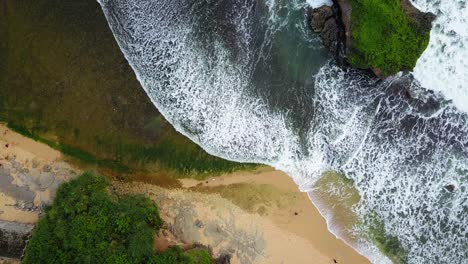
x,y
248,82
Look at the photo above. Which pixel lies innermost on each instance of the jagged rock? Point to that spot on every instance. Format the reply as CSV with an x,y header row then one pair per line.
x,y
331,36
199,224
319,16
324,20
344,14
423,20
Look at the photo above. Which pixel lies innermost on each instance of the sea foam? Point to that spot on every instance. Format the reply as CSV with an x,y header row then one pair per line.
x,y
319,3
443,67
196,61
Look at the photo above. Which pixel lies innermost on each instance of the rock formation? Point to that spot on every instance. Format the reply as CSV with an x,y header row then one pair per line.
x,y
13,237
325,20
335,26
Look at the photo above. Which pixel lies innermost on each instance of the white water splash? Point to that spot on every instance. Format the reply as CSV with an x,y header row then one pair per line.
x,y
399,151
319,3
443,66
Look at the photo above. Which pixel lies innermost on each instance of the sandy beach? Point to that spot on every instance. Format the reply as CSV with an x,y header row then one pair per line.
x,y
297,218
255,216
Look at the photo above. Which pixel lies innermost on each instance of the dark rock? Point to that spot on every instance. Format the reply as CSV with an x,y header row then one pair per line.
x,y
223,259
13,237
199,223
326,21
331,36
422,20
344,16
450,188
319,16
323,20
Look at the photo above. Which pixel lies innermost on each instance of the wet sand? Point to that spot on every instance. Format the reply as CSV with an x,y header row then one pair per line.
x,y
298,218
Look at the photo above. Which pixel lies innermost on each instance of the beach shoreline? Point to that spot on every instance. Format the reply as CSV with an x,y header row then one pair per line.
x,y
287,228
299,218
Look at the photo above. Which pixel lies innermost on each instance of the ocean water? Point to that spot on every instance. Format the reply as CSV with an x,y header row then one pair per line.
x,y
248,81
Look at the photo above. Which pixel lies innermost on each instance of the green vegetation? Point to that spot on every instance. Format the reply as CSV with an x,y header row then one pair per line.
x,y
175,255
89,224
64,82
384,37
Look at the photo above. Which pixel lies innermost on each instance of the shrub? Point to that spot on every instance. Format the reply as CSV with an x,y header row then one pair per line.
x,y
87,224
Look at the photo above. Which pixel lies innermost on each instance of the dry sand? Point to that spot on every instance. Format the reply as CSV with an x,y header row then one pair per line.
x,y
297,219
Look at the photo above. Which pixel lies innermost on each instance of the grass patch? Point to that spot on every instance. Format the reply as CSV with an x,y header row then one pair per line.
x,y
88,224
384,37
65,82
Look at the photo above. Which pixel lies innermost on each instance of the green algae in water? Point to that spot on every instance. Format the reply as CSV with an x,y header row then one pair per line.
x,y
370,226
389,245
64,82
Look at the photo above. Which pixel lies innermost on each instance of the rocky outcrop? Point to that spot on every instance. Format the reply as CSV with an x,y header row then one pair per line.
x,y
13,237
319,16
335,26
344,15
30,174
324,20
422,20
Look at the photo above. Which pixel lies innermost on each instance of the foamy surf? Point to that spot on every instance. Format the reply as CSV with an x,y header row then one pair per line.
x,y
235,77
319,3
443,66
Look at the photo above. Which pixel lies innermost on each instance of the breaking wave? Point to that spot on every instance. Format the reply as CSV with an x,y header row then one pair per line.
x,y
443,66
248,81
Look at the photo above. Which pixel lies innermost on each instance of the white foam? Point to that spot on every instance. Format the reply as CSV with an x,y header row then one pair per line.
x,y
443,66
319,3
398,158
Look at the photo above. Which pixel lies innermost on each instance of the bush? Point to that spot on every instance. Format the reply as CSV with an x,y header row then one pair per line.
x,y
86,224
